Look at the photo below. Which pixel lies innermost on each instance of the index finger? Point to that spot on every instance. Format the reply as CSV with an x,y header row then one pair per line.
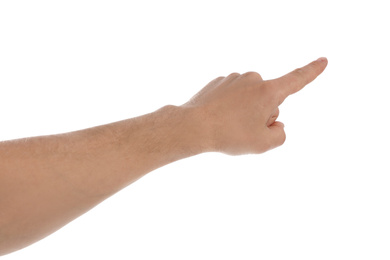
x,y
298,78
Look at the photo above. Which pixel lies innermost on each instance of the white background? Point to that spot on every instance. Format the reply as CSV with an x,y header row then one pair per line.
x,y
325,194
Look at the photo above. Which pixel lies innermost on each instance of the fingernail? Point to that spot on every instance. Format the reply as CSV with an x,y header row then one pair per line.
x,y
322,59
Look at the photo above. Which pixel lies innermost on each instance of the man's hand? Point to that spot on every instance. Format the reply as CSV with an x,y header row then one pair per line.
x,y
240,111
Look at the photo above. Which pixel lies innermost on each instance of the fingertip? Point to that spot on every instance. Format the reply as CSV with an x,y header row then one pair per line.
x,y
318,66
322,59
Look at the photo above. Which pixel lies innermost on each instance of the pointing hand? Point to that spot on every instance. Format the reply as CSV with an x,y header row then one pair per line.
x,y
239,112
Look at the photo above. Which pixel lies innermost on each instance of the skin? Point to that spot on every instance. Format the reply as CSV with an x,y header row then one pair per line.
x,y
47,181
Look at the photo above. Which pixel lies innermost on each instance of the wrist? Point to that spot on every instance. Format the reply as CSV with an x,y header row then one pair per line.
x,y
190,129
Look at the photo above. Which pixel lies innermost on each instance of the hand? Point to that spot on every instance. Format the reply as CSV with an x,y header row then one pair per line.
x,y
239,112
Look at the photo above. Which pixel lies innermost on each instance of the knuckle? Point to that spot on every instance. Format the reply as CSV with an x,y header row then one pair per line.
x,y
252,75
234,75
217,80
299,74
299,71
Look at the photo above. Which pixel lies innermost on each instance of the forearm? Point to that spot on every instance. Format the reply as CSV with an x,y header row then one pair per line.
x,y
45,182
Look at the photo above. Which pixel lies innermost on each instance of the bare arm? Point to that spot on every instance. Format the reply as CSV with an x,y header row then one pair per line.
x,y
47,181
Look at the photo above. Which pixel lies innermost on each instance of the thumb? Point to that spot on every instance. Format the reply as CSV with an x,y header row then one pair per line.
x,y
277,136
